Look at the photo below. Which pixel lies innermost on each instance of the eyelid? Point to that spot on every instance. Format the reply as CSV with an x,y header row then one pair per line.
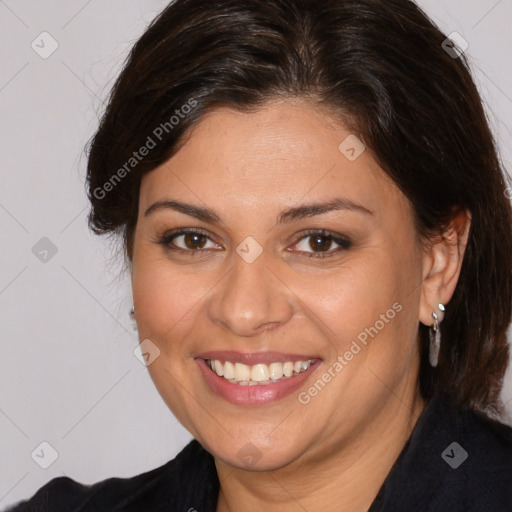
x,y
168,237
343,242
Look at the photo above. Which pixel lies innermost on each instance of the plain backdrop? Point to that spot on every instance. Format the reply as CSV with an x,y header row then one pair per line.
x,y
68,375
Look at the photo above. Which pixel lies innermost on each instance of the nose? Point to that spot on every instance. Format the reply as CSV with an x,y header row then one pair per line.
x,y
251,299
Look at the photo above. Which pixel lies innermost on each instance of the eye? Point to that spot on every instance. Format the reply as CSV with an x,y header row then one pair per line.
x,y
187,240
321,242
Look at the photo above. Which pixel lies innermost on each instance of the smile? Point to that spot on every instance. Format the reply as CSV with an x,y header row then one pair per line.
x,y
258,374
256,378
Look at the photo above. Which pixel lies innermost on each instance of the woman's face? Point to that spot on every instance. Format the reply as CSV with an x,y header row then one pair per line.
x,y
301,250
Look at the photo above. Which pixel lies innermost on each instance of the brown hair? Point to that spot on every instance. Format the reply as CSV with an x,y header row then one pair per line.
x,y
382,67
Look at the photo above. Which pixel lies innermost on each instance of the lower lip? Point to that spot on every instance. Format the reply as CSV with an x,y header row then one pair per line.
x,y
258,394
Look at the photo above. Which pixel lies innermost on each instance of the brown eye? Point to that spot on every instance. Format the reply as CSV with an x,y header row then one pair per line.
x,y
194,240
191,241
320,242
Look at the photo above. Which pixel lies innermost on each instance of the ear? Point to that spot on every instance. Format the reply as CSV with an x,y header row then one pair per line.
x,y
442,262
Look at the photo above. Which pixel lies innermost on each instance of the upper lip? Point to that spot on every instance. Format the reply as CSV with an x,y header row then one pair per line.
x,y
253,358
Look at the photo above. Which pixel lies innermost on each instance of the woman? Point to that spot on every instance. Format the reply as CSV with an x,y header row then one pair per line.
x,y
316,224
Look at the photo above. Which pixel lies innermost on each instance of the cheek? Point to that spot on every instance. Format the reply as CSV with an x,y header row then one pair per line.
x,y
372,296
165,298
354,293
166,303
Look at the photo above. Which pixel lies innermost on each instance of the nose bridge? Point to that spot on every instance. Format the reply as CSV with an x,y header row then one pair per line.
x,y
251,298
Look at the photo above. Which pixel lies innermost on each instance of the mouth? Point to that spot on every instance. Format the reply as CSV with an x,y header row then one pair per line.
x,y
259,374
255,379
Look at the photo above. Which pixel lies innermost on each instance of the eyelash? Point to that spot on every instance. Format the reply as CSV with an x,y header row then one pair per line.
x,y
343,242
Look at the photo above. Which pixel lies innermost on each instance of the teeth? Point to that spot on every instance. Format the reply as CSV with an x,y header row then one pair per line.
x,y
259,373
229,370
219,370
276,371
242,372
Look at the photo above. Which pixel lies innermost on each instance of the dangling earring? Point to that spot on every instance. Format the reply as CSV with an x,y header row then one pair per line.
x,y
132,316
435,338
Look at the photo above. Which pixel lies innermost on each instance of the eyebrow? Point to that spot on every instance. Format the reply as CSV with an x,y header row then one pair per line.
x,y
292,214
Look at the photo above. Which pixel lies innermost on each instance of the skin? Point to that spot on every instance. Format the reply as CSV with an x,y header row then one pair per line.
x,y
334,452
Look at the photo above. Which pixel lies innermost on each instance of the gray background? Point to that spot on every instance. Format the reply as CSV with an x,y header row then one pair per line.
x,y
68,375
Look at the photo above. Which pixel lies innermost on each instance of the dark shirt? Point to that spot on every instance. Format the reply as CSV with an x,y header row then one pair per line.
x,y
454,461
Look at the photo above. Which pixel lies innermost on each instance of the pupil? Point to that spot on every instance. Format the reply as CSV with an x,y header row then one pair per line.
x,y
319,242
194,239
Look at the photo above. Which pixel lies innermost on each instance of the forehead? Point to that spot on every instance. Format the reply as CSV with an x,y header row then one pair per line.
x,y
281,154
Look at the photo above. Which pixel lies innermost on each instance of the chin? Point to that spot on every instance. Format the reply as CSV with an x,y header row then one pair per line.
x,y
252,455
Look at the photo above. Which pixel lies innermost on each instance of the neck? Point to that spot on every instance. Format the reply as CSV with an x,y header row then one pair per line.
x,y
346,480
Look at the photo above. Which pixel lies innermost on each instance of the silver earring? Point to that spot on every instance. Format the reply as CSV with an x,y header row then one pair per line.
x,y
435,338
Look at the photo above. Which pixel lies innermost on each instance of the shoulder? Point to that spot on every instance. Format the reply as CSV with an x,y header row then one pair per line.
x,y
457,460
486,472
155,490
477,463
482,445
492,438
